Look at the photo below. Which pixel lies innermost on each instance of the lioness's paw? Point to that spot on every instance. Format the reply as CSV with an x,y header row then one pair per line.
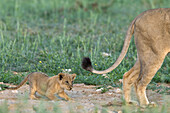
x,y
135,103
152,104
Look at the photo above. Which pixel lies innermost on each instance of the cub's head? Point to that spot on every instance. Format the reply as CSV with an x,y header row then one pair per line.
x,y
66,80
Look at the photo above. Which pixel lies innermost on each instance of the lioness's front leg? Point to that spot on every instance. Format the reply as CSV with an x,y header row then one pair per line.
x,y
64,95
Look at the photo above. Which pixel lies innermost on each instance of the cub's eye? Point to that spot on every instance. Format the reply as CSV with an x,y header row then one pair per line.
x,y
67,82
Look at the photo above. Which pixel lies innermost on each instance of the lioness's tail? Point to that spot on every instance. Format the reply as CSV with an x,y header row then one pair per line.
x,y
22,83
86,63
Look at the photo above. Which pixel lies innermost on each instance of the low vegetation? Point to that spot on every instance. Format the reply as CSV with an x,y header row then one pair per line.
x,y
51,36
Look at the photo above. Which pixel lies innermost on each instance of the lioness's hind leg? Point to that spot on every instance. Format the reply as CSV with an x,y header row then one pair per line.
x,y
128,80
149,66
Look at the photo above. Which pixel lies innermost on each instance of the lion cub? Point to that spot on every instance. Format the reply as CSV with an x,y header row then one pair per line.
x,y
48,86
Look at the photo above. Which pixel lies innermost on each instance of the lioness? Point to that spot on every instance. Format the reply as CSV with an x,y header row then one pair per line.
x,y
48,86
151,31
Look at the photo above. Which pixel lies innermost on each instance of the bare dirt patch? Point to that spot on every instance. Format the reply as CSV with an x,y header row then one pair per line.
x,y
86,98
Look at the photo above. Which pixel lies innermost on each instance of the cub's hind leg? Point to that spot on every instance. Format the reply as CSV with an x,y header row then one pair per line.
x,y
128,80
32,93
32,90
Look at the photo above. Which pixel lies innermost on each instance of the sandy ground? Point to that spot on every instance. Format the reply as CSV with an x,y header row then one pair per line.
x,y
86,98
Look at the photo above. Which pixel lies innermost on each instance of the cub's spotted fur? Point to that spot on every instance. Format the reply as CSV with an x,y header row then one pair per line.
x,y
48,86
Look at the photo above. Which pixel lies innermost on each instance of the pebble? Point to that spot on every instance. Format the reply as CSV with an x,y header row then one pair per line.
x,y
98,90
106,54
14,91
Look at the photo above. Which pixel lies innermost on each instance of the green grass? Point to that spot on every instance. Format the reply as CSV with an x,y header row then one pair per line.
x,y
59,33
48,107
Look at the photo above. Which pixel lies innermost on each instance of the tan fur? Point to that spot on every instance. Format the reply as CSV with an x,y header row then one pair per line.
x,y
151,31
48,86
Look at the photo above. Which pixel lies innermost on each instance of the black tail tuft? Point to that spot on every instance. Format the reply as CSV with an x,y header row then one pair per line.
x,y
86,64
6,87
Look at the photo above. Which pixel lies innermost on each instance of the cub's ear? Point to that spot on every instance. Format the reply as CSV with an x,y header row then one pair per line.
x,y
61,75
73,76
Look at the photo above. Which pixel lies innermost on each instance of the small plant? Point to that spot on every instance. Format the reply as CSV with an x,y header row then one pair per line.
x,y
104,88
4,107
2,87
162,89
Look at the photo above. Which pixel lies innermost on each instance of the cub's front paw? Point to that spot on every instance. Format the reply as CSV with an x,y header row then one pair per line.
x,y
69,99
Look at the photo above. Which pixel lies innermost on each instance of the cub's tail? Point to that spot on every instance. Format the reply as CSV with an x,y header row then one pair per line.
x,y
21,84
